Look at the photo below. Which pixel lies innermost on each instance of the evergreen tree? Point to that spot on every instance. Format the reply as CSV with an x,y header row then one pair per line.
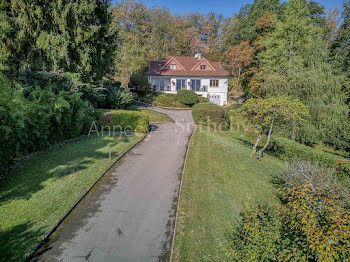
x,y
294,62
67,35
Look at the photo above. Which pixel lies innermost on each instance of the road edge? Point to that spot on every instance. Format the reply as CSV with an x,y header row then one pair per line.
x,y
179,195
45,239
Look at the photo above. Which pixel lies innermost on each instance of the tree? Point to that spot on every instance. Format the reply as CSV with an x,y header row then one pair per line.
x,y
64,35
250,14
134,46
294,62
265,113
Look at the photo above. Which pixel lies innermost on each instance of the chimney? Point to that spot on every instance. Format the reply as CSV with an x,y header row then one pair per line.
x,y
198,55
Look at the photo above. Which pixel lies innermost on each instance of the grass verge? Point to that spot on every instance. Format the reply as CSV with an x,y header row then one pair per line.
x,y
155,117
37,194
219,178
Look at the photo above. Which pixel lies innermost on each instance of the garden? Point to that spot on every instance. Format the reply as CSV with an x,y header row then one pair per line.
x,y
184,99
289,204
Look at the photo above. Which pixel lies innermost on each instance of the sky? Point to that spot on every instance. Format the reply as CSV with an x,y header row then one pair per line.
x,y
225,7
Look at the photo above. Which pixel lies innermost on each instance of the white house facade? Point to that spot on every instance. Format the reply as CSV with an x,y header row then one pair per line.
x,y
207,79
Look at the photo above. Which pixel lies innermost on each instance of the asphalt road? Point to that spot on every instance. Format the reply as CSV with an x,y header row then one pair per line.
x,y
130,214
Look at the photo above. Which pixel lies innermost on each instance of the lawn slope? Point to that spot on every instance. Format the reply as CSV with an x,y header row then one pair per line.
x,y
219,177
36,196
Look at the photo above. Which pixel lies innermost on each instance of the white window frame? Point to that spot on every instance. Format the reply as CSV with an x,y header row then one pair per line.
x,y
173,66
182,84
194,84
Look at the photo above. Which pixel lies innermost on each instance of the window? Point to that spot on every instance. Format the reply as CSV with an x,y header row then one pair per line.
x,y
214,83
173,66
195,85
180,84
203,67
159,83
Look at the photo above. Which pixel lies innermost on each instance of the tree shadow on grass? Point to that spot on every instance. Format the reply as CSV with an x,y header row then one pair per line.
x,y
14,243
55,163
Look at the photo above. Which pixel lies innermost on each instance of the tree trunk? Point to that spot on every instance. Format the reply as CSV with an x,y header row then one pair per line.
x,y
252,155
260,153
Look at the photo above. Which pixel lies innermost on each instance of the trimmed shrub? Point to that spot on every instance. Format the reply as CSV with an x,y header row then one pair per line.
x,y
124,120
204,111
202,99
187,97
285,148
166,100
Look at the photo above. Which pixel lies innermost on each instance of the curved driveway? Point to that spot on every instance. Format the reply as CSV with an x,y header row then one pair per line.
x,y
130,214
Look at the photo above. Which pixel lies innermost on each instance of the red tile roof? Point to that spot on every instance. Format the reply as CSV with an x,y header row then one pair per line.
x,y
186,67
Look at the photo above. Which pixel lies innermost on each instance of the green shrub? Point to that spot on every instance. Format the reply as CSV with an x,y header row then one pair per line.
x,y
342,168
118,98
37,114
311,224
258,236
285,149
124,120
187,97
202,99
204,111
148,98
168,100
139,83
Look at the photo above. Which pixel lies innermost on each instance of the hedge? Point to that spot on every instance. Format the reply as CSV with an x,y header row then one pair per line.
x,y
187,97
168,100
37,114
201,112
125,120
285,148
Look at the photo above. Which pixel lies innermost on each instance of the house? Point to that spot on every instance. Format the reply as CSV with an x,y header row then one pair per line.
x,y
206,78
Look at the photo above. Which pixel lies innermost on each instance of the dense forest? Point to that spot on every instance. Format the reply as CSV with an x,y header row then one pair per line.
x,y
59,60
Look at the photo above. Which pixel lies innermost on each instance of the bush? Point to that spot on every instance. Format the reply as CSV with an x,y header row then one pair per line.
x,y
34,116
148,98
118,98
202,99
124,120
311,224
168,100
342,168
257,238
285,149
201,113
139,83
187,97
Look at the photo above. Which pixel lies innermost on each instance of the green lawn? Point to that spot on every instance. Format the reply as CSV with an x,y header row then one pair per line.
x,y
219,177
155,117
37,195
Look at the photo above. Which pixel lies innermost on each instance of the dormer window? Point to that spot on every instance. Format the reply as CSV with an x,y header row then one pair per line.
x,y
203,67
173,66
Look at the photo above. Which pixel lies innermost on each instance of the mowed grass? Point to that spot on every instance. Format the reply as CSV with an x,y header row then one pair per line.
x,y
155,117
36,196
219,178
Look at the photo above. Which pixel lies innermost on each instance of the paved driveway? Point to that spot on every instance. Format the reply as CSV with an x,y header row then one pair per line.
x,y
130,215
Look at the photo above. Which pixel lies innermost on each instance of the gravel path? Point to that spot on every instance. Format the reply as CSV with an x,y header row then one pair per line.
x,y
129,216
